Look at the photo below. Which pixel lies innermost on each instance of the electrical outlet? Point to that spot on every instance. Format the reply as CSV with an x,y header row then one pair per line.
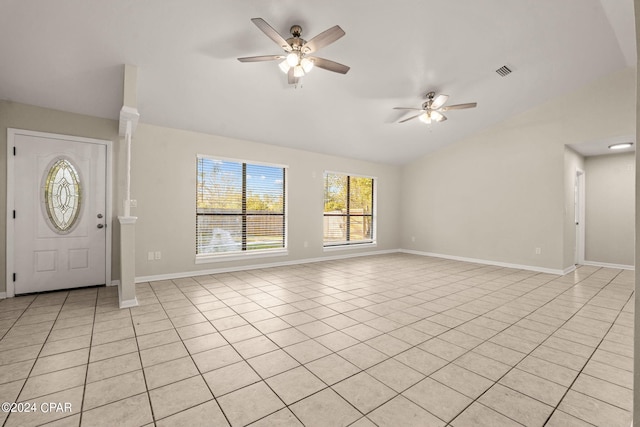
x,y
306,244
133,203
538,251
413,238
158,255
150,256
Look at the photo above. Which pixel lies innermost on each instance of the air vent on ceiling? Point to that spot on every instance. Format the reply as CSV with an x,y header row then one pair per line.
x,y
503,71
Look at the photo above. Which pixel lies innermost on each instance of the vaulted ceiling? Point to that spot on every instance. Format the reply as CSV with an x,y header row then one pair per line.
x,y
68,55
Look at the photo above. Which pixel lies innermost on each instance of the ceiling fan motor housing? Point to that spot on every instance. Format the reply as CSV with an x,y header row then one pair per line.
x,y
296,30
296,43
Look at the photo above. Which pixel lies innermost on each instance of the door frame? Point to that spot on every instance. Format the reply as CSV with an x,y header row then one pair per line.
x,y
11,135
580,216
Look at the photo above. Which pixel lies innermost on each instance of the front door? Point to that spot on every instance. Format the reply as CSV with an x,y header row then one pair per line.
x,y
60,201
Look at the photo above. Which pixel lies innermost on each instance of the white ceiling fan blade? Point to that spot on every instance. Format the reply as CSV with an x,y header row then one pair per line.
x,y
327,64
407,108
460,106
412,117
261,58
271,33
439,101
323,39
293,80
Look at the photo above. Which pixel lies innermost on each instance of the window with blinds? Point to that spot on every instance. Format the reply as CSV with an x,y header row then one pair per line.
x,y
239,207
348,209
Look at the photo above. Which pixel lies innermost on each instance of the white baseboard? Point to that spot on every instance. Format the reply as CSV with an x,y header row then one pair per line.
x,y
609,265
488,262
128,303
134,302
170,276
559,272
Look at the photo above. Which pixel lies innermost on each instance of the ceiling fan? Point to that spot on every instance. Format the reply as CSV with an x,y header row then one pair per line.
x,y
433,107
296,60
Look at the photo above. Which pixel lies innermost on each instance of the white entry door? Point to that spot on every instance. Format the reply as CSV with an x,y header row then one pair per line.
x,y
60,203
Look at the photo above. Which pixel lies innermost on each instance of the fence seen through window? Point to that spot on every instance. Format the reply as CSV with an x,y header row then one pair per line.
x,y
239,206
348,209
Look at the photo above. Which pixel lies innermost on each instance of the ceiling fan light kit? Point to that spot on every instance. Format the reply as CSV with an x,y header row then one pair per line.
x,y
430,116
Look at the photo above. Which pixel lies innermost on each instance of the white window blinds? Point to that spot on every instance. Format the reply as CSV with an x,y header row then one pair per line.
x,y
239,206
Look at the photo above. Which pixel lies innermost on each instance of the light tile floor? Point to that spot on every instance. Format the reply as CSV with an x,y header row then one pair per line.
x,y
394,340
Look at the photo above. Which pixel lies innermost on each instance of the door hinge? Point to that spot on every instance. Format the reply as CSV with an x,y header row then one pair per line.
x,y
14,151
14,276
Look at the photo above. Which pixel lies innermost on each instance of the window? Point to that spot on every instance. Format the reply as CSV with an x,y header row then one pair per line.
x,y
348,209
240,207
62,196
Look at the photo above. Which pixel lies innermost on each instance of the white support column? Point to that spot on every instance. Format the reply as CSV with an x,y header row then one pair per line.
x,y
127,287
127,199
128,122
129,117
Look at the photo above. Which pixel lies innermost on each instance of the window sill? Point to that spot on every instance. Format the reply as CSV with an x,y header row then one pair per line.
x,y
351,246
222,257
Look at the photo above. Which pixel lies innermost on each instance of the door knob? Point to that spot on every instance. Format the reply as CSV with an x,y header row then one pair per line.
x,y
99,215
100,225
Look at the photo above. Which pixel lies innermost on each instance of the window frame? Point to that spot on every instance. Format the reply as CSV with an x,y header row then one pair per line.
x,y
243,253
333,246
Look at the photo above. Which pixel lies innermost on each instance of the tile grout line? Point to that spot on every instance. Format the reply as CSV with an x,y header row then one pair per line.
x,y
590,356
382,332
144,375
41,348
487,340
86,372
529,354
363,370
242,283
6,420
278,348
477,315
190,357
242,358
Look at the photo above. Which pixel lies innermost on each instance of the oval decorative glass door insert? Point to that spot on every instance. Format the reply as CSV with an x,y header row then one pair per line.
x,y
62,195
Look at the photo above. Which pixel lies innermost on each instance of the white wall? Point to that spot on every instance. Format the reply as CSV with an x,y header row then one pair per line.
x,y
499,194
495,196
610,209
164,183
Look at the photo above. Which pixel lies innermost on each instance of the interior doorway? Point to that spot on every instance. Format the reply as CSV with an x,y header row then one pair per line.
x,y
579,209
